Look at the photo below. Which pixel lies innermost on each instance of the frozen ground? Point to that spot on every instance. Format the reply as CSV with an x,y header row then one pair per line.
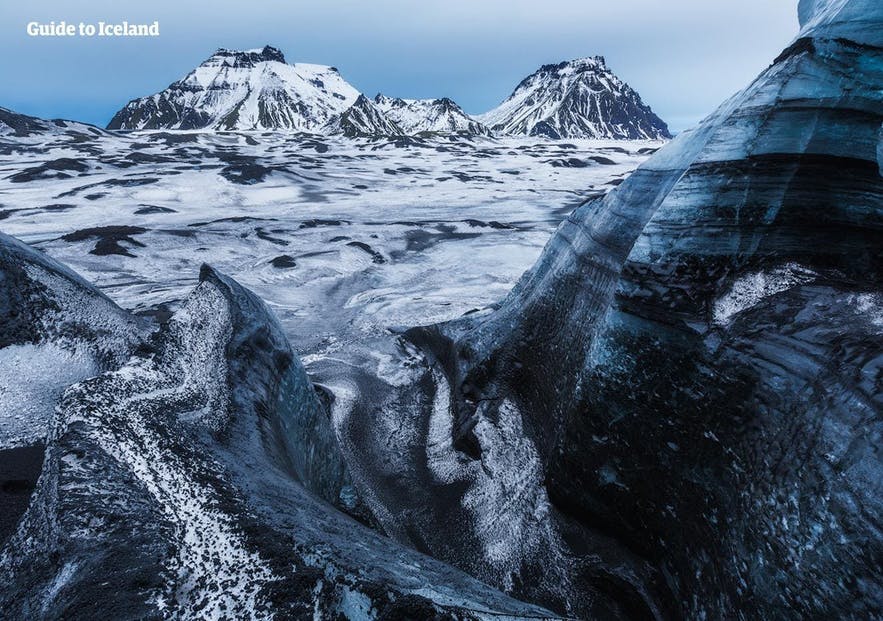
x,y
342,237
346,240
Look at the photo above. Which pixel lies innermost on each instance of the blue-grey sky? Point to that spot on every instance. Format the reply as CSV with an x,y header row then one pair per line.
x,y
683,56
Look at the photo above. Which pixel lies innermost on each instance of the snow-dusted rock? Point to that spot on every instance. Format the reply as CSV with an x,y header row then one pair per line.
x,y
16,126
434,116
233,90
581,98
363,118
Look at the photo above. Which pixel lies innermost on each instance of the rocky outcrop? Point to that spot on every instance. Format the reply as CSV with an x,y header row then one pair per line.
x,y
363,118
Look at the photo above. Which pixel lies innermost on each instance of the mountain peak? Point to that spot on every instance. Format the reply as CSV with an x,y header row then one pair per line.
x,y
242,57
363,118
580,98
577,65
244,90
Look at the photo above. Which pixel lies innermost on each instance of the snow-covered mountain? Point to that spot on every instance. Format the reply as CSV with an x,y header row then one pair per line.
x,y
258,90
429,115
254,89
576,99
363,118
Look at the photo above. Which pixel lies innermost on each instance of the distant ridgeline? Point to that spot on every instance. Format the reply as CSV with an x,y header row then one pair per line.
x,y
258,90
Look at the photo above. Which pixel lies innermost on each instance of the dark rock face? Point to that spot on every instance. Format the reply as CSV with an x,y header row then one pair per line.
x,y
696,358
284,261
19,469
60,168
22,125
108,239
251,58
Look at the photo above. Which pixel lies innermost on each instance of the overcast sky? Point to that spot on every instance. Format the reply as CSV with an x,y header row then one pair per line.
x,y
683,56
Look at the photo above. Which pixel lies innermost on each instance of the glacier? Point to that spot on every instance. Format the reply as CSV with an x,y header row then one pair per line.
x,y
175,486
674,413
728,444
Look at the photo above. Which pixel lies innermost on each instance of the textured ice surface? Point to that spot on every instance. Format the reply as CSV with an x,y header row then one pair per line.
x,y
750,289
855,20
372,233
56,330
343,239
674,413
32,377
167,493
696,356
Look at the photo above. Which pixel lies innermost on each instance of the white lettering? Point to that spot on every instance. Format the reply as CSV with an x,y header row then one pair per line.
x,y
102,29
61,29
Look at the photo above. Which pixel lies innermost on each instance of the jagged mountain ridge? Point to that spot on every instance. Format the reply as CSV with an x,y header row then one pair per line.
x,y
257,90
581,98
416,116
363,118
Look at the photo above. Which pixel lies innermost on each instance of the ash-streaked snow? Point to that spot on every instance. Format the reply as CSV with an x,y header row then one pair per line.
x,y
347,240
342,237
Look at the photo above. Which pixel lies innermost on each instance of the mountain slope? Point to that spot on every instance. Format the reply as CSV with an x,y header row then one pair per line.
x,y
442,116
363,118
254,89
576,99
14,124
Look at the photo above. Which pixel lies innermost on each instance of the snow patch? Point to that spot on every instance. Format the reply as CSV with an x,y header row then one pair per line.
x,y
870,305
506,497
751,289
32,378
